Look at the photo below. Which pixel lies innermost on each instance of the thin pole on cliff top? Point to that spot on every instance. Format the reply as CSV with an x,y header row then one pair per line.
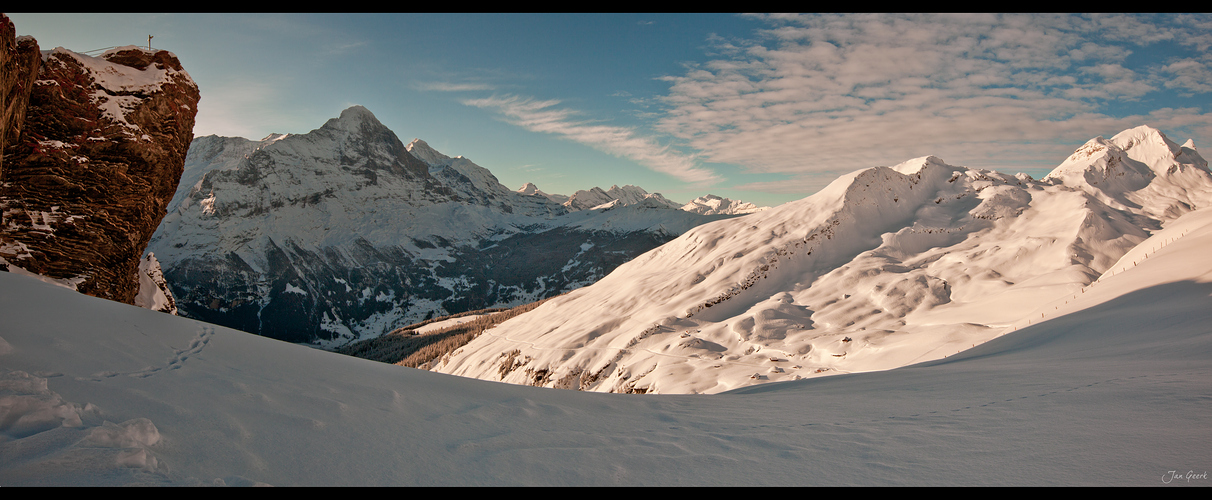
x,y
149,37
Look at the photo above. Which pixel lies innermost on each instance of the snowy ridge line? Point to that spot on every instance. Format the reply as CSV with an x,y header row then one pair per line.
x,y
829,228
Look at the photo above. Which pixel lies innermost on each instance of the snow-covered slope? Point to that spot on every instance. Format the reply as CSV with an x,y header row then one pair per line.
x,y
1111,390
345,232
882,268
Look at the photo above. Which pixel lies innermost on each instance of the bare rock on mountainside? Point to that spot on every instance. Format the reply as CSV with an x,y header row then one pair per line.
x,y
88,175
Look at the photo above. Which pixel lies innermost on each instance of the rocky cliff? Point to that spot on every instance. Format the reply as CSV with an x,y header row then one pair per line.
x,y
89,171
19,61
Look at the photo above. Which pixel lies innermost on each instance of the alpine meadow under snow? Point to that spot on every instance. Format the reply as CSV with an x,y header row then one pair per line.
x,y
1049,332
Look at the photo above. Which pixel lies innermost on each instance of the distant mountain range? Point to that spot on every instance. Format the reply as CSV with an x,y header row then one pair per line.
x,y
346,232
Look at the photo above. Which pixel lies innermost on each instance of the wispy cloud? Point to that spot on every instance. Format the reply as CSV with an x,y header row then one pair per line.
x,y
452,87
342,48
545,116
828,93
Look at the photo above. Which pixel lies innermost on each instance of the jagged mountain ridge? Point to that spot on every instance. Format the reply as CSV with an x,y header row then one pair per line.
x,y
597,198
882,268
345,232
712,204
615,196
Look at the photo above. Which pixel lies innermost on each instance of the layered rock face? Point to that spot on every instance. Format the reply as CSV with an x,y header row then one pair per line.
x,y
89,177
19,61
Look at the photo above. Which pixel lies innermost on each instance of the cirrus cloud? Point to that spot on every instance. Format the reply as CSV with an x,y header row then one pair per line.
x,y
827,93
545,116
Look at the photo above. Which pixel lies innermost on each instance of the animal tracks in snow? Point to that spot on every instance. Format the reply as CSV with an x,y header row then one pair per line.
x,y
174,362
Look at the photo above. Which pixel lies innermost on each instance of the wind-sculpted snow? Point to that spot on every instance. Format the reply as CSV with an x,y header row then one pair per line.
x,y
882,268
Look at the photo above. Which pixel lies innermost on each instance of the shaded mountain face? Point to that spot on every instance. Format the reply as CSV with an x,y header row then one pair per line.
x,y
345,233
884,267
100,149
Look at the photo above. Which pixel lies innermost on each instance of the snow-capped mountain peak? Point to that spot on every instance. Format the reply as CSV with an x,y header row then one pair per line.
x,y
1139,167
1150,144
712,204
626,195
352,119
532,190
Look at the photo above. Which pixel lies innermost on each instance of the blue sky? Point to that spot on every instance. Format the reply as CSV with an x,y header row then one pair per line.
x,y
762,108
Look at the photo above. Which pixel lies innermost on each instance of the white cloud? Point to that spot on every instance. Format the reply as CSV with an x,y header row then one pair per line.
x,y
841,92
544,116
1189,74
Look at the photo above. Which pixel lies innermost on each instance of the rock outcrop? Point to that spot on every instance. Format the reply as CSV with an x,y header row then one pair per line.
x,y
19,61
89,172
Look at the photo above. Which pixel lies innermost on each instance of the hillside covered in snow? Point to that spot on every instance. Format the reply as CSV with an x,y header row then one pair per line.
x,y
885,267
1110,389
